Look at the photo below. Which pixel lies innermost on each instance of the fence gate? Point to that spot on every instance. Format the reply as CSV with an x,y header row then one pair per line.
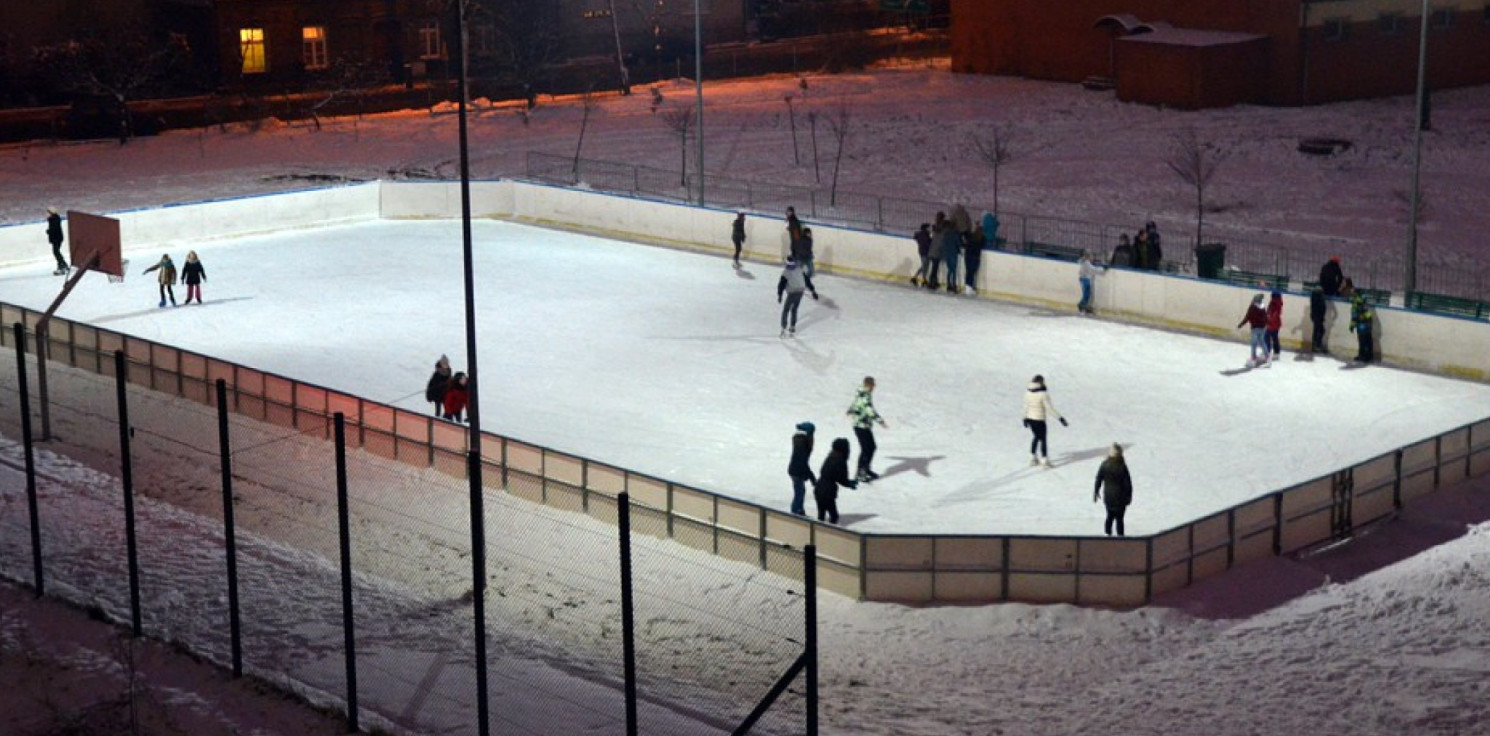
x,y
1342,493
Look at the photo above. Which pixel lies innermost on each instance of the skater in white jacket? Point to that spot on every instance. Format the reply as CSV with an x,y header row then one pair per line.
x,y
1037,408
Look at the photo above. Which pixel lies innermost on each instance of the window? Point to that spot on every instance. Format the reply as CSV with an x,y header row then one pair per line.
x,y
1335,29
429,41
483,38
1443,17
1390,24
313,45
251,48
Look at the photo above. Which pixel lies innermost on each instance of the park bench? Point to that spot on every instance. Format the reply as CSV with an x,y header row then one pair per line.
x,y
1253,278
1456,305
1048,250
1380,297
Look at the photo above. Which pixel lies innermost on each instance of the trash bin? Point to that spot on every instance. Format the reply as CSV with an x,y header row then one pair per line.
x,y
1210,258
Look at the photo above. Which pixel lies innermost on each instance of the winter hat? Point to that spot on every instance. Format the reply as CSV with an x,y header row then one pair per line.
x,y
1116,451
51,210
1277,294
1258,298
806,427
840,446
1334,259
791,262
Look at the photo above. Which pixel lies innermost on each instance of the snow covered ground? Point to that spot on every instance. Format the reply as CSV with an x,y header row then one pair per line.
x,y
1385,636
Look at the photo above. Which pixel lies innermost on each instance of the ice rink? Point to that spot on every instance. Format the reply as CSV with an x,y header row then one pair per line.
x,y
669,363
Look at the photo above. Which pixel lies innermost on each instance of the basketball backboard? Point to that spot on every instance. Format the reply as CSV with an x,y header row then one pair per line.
x,y
93,241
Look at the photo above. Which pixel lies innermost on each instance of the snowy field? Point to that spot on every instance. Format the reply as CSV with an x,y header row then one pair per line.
x,y
669,363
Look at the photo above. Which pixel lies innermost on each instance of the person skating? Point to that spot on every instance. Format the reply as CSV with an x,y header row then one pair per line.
x,y
737,235
1038,407
802,251
1318,309
799,469
833,474
1361,317
166,279
972,257
1331,278
792,283
434,391
1086,272
923,249
793,228
939,226
1257,319
456,396
1275,325
54,236
1114,475
865,417
192,274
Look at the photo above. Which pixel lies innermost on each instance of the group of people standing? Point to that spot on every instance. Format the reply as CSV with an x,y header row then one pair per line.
x,y
834,471
1143,251
947,240
448,391
192,274
1266,323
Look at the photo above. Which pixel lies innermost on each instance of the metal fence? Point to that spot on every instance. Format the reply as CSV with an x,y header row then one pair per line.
x,y
1295,257
286,479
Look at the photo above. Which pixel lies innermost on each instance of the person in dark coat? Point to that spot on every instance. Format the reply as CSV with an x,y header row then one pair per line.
x,y
802,251
972,257
939,226
1361,317
923,249
166,279
434,391
1155,258
1123,254
800,467
192,274
737,235
1318,308
793,227
833,474
54,236
1141,250
456,396
1114,475
1331,278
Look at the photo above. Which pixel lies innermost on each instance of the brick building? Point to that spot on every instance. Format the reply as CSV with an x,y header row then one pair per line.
x,y
1204,53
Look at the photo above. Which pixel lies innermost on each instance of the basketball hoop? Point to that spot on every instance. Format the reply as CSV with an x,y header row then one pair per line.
x,y
119,278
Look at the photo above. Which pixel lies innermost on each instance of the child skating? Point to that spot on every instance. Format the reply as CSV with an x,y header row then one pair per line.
x,y
166,279
192,274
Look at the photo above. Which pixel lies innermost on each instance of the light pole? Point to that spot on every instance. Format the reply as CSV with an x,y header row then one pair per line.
x,y
698,85
473,377
1411,278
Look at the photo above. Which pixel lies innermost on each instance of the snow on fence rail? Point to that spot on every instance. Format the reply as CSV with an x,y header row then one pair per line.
x,y
880,567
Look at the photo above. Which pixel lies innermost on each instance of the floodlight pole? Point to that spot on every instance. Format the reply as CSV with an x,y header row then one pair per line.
x,y
698,84
473,456
1411,277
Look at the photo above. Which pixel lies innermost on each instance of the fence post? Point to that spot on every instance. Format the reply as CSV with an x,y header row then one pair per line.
x,y
478,585
1277,524
628,620
31,503
1148,574
127,475
344,533
809,589
879,205
229,533
1230,537
1397,480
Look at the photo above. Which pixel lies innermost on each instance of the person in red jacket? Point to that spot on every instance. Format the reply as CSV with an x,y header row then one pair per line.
x,y
1257,319
1275,324
456,395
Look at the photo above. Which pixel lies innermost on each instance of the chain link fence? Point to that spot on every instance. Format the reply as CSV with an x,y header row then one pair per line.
x,y
1291,256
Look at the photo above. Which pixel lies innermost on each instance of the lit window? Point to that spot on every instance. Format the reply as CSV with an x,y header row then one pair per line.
x,y
429,41
1390,23
1335,29
251,47
313,43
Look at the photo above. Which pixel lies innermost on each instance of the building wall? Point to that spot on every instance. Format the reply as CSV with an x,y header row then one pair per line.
x,y
1056,41
1190,77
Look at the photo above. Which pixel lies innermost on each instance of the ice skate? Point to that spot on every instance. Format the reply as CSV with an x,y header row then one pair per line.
x,y
162,304
783,332
873,476
792,331
1034,460
1045,462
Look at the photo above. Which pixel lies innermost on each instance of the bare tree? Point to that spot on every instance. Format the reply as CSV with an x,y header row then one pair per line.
x,y
679,120
526,39
840,123
348,78
1195,162
118,64
993,149
791,115
587,103
817,173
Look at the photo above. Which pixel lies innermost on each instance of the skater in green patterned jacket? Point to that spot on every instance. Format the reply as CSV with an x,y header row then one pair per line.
x,y
865,417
